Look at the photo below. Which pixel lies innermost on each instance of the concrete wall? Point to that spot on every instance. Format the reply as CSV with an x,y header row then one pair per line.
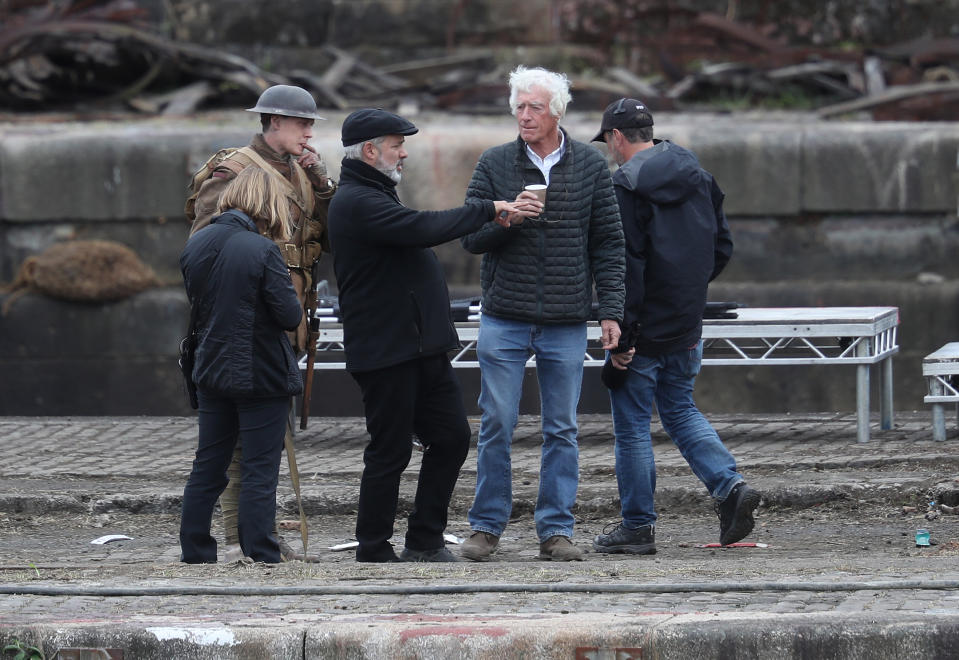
x,y
822,214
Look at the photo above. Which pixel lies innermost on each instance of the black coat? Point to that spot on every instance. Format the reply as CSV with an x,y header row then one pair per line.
x,y
244,302
677,241
393,296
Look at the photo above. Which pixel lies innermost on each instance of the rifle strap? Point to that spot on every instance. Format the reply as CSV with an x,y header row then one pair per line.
x,y
295,478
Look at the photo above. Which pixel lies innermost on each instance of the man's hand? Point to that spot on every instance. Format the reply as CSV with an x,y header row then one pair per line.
x,y
308,158
508,213
621,360
611,332
315,168
528,201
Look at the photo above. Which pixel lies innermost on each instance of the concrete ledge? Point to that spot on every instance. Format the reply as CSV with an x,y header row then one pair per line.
x,y
758,166
582,636
159,640
879,167
140,170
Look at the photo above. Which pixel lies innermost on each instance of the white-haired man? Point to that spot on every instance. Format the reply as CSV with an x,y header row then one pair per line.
x,y
537,280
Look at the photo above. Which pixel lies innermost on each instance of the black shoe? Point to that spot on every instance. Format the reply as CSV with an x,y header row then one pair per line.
x,y
378,560
379,555
437,555
641,541
736,513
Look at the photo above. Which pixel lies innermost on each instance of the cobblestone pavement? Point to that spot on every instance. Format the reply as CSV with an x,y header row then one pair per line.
x,y
838,519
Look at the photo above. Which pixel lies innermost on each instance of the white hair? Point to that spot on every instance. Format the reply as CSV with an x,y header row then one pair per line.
x,y
356,150
523,80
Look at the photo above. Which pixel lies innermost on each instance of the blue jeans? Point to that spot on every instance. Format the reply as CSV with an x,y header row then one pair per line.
x,y
503,348
667,379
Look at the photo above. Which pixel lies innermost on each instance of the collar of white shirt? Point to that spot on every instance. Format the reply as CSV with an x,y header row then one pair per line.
x,y
546,164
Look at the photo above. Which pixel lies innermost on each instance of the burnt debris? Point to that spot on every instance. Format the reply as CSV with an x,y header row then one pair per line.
x,y
107,55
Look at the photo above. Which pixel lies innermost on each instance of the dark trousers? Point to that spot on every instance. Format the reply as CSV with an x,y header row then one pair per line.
x,y
258,425
423,397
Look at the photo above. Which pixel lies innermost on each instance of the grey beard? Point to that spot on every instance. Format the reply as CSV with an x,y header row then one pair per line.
x,y
392,172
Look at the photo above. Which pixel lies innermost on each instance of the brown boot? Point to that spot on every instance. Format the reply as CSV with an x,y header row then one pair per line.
x,y
233,552
559,548
479,546
287,553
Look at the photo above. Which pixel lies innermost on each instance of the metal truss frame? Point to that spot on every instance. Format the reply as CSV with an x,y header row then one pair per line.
x,y
860,336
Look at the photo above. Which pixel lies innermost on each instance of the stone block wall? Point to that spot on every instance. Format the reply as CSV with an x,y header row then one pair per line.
x,y
822,214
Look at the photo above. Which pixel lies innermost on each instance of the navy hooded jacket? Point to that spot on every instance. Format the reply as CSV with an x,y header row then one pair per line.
x,y
244,300
677,241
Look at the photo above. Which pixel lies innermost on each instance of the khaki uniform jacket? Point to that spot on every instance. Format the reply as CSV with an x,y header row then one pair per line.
x,y
309,239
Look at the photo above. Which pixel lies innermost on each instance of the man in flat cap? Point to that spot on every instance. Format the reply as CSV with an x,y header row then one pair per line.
x,y
677,241
398,330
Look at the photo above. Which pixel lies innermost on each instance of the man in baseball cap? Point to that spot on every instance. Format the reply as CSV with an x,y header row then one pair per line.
x,y
677,241
624,113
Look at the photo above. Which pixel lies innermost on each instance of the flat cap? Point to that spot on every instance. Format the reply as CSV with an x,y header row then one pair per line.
x,y
370,123
624,113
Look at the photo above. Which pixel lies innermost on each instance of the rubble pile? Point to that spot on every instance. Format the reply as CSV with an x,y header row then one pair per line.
x,y
103,55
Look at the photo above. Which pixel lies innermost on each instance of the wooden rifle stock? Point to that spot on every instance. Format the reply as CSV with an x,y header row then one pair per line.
x,y
311,338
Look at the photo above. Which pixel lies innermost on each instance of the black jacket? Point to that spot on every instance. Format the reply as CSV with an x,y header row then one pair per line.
x,y
244,301
393,297
677,241
545,273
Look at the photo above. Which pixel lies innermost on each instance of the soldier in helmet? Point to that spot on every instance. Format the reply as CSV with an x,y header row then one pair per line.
x,y
286,114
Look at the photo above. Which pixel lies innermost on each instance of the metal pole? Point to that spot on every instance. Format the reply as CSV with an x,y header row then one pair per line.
x,y
938,422
885,394
862,403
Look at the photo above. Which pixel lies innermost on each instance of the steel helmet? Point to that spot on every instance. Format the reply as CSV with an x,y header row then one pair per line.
x,y
288,101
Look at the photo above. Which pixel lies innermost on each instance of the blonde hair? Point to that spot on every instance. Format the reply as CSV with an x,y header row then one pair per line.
x,y
261,196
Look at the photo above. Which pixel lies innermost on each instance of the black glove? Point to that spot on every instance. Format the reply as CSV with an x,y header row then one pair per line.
x,y
612,377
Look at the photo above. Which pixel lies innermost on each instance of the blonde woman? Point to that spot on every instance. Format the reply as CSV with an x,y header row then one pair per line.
x,y
244,368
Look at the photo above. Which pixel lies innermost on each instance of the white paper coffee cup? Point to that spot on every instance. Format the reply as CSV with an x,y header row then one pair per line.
x,y
539,190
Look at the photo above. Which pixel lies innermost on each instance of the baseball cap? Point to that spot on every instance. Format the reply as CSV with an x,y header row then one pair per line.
x,y
624,113
370,123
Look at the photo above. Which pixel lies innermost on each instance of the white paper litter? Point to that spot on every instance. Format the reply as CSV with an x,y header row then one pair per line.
x,y
345,546
349,545
111,537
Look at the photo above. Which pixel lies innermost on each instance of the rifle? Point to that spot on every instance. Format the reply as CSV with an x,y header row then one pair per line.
x,y
311,337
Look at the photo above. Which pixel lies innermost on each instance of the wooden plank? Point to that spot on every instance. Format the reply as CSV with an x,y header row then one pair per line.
x,y
891,95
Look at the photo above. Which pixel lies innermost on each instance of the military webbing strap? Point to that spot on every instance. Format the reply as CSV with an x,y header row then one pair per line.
x,y
295,255
303,197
